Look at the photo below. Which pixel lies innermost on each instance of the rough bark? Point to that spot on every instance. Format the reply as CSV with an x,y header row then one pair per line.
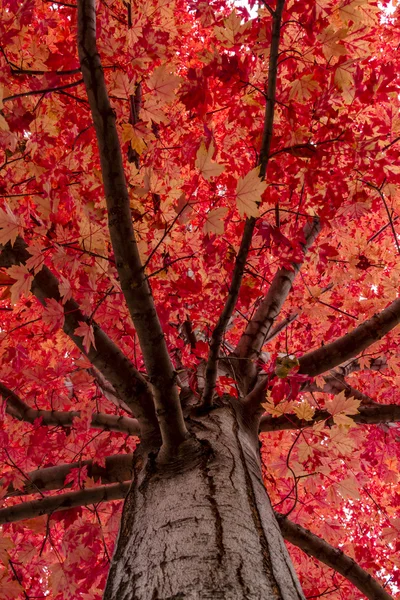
x,y
201,525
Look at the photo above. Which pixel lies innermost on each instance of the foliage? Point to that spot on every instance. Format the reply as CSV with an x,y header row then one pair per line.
x,y
188,86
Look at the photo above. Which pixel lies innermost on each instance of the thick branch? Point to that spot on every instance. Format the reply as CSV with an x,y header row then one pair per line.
x,y
233,294
51,504
134,284
107,357
350,345
19,410
219,331
314,546
260,325
336,384
118,468
368,415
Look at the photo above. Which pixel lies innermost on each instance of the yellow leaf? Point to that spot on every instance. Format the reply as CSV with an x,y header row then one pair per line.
x,y
348,488
10,225
304,411
232,27
3,124
320,381
331,39
163,84
302,89
23,281
344,79
280,409
207,167
215,222
341,406
341,440
129,135
5,545
360,12
248,193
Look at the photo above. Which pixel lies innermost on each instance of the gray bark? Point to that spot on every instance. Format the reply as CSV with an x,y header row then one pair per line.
x,y
201,526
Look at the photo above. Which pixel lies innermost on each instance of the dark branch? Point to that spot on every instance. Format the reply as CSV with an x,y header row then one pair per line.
x,y
21,411
259,327
314,546
51,504
367,415
134,284
44,91
107,357
353,343
233,294
118,468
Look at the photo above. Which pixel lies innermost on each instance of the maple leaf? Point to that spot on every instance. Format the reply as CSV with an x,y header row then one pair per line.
x,y
232,26
53,314
302,89
3,124
85,330
348,488
23,281
304,410
341,406
152,112
344,79
163,84
341,440
10,225
360,12
129,134
330,39
215,220
65,289
276,410
5,545
249,190
10,588
207,167
123,87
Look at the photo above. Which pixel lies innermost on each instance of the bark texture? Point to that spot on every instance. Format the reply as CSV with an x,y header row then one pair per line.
x,y
201,526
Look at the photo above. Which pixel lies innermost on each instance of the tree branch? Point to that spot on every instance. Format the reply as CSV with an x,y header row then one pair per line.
x,y
51,504
350,345
233,294
259,327
334,384
118,468
367,415
21,411
134,284
314,546
130,385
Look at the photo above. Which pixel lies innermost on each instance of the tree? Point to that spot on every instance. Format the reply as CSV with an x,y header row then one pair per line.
x,y
198,246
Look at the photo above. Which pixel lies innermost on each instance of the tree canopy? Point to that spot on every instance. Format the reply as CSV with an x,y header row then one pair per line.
x,y
260,145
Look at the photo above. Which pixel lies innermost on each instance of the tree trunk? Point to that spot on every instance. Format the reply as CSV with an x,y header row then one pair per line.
x,y
200,525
